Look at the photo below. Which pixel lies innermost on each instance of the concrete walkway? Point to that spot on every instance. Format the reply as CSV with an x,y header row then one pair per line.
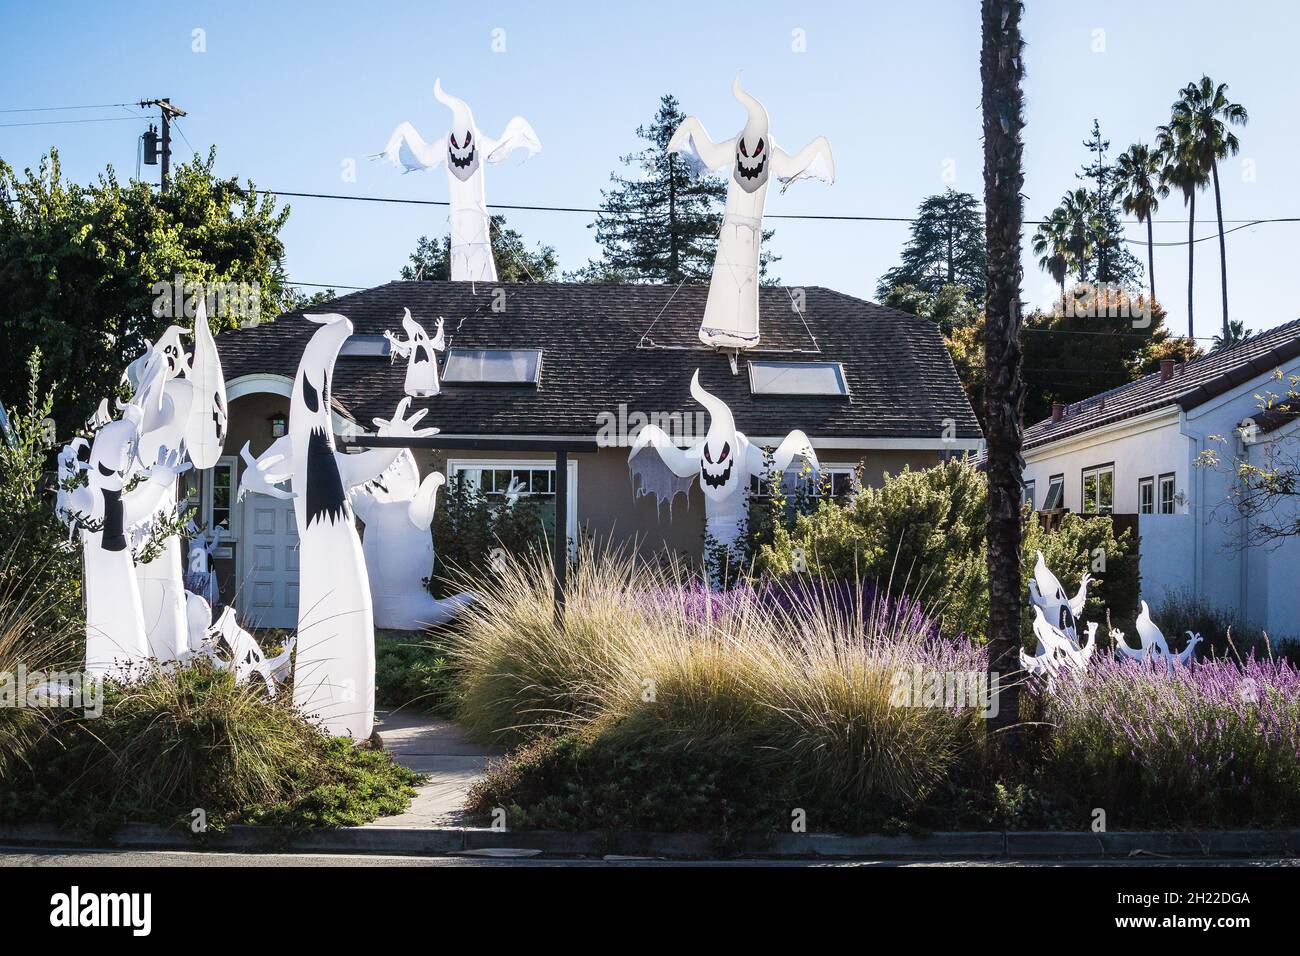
x,y
437,747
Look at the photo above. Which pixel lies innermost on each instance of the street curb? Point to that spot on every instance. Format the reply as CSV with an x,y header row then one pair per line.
x,y
459,840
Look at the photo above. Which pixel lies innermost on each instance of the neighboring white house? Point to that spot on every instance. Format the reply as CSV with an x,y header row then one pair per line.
x,y
1134,450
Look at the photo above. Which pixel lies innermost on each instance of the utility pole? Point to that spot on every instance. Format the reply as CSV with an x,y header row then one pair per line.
x,y
169,113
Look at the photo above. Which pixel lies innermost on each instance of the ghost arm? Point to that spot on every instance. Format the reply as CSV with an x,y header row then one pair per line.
x,y
1081,598
814,161
684,463
408,151
518,134
795,444
151,497
263,475
691,139
366,466
422,506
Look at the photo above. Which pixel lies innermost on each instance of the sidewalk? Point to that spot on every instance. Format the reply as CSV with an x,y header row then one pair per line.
x,y
437,747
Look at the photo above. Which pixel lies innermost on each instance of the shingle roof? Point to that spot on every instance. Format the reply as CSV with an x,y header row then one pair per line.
x,y
1195,383
901,380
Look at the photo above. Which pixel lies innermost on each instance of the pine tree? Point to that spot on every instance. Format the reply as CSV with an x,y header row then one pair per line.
x,y
515,262
946,247
661,225
1113,262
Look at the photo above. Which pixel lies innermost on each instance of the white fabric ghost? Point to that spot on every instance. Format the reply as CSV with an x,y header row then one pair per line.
x,y
1154,647
417,348
397,509
750,159
724,461
200,578
205,432
1057,651
1045,591
464,149
334,668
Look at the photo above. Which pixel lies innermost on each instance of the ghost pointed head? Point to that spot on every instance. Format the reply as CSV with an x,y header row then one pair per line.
x,y
462,139
753,145
720,475
397,483
310,405
112,453
417,339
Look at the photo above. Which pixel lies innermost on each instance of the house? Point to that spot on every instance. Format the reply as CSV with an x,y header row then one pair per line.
x,y
868,384
1137,451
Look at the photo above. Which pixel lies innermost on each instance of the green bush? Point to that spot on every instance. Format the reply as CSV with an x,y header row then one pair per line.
x,y
413,670
923,533
172,743
468,527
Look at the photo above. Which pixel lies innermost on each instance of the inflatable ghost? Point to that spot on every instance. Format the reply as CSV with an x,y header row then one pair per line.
x,y
1045,592
418,349
397,509
200,578
465,149
750,159
724,462
1154,647
1057,651
105,512
229,647
334,669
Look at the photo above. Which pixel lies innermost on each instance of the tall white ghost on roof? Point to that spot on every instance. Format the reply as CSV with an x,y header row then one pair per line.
x,y
750,159
464,149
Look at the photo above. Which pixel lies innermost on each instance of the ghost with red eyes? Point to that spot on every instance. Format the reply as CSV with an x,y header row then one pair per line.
x,y
464,149
750,160
725,461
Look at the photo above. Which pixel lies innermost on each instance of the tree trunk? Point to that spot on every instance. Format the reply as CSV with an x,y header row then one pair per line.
x,y
1223,252
1001,69
1191,261
1151,261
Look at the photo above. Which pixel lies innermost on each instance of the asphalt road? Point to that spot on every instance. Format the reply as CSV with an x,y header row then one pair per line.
x,y
27,856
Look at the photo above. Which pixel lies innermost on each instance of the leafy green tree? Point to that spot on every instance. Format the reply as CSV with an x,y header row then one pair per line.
x,y
88,273
946,247
515,261
1201,117
1113,262
661,224
1137,172
962,322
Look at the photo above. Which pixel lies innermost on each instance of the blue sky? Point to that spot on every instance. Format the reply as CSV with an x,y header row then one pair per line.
x,y
290,92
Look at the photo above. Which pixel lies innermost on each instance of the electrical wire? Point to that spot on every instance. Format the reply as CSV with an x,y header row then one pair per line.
x,y
103,119
56,109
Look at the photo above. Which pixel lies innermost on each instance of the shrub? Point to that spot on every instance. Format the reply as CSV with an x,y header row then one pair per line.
x,y
468,527
1226,635
412,670
193,738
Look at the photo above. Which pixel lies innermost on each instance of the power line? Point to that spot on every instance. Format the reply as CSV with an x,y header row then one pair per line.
x,y
103,119
56,109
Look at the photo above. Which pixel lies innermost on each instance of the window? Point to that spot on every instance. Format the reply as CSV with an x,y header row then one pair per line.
x,y
1146,496
797,378
1167,494
365,346
535,480
1098,490
219,496
1055,493
492,366
842,479
1029,494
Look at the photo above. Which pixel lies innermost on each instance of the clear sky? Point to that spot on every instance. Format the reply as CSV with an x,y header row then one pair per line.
x,y
290,92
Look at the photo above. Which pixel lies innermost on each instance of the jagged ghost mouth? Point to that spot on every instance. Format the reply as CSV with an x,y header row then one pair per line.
x,y
752,172
461,163
718,480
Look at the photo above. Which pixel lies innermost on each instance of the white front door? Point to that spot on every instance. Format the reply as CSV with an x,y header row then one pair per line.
x,y
268,594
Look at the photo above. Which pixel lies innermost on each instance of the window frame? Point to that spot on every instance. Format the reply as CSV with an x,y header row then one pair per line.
x,y
1052,480
455,466
1147,485
1170,478
206,494
837,367
1029,494
831,468
453,351
1098,471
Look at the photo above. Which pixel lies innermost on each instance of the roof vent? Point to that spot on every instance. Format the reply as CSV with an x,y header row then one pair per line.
x,y
1058,411
1166,369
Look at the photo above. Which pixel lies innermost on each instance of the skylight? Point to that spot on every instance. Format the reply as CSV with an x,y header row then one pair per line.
x,y
798,378
492,366
365,346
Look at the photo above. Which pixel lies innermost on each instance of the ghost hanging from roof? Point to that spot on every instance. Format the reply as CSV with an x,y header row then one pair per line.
x,y
1154,648
417,348
725,462
397,509
464,149
750,159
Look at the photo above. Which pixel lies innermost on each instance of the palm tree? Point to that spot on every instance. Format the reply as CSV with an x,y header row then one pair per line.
x,y
1182,172
1002,102
1203,113
1235,333
1141,189
1051,244
1079,210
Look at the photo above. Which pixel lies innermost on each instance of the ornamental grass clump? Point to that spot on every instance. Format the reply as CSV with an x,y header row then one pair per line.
x,y
1215,744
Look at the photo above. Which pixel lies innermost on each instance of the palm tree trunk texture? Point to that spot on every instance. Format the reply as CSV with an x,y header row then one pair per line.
x,y
1001,70
1223,253
1151,260
1191,261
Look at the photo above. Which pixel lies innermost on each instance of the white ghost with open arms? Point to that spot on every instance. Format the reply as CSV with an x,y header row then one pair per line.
x,y
724,461
334,666
465,150
1154,647
417,348
750,159
397,509
1061,611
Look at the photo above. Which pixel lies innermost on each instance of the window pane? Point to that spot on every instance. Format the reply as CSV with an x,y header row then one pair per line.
x,y
488,366
1090,494
796,378
1106,492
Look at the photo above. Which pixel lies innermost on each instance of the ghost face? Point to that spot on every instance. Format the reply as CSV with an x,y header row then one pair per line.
x,y
111,455
462,154
751,161
397,483
718,473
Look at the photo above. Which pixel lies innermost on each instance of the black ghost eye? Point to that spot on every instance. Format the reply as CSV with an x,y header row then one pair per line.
x,y
453,141
105,470
310,397
759,148
743,151
726,450
467,137
707,456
